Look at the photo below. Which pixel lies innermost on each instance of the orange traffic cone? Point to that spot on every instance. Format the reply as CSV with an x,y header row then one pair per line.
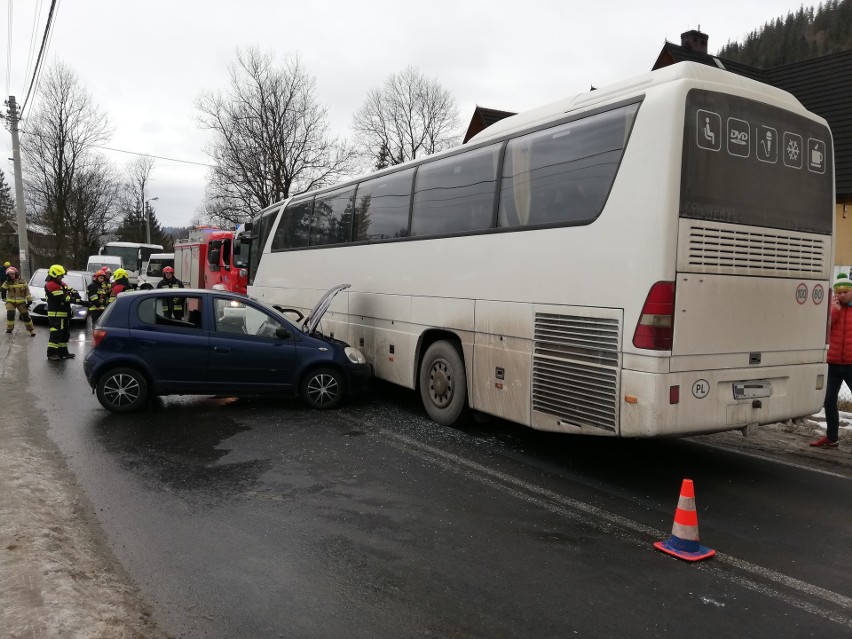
x,y
683,543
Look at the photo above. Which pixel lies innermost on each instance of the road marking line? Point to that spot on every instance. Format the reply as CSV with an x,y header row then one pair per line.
x,y
601,520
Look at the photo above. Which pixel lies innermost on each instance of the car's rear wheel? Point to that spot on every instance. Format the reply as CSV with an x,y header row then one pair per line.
x,y
323,388
122,390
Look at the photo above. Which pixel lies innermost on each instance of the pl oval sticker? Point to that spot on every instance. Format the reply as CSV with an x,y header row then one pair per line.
x,y
700,389
802,293
818,294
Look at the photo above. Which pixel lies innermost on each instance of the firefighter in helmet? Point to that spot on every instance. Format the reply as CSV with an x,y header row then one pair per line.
x,y
59,300
120,283
173,306
18,298
3,276
98,295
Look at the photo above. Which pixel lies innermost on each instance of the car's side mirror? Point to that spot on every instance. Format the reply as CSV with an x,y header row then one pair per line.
x,y
283,333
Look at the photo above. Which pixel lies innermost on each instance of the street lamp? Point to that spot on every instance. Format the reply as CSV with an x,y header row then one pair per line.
x,y
148,219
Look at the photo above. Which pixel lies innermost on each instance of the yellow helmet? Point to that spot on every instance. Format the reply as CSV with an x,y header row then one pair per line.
x,y
57,270
119,273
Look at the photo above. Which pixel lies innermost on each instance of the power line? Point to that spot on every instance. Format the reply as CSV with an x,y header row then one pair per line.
x,y
41,51
38,6
159,157
150,155
9,50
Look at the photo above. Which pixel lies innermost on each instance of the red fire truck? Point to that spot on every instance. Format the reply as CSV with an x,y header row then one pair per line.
x,y
211,257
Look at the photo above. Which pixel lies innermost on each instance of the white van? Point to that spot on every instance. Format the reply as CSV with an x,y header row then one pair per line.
x,y
154,269
95,263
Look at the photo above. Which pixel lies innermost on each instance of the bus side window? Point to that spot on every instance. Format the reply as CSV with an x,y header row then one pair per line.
x,y
455,194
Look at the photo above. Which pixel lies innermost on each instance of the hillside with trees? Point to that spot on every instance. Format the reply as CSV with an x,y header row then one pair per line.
x,y
807,33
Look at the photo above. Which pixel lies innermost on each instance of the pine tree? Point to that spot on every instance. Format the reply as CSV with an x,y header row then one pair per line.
x,y
7,202
807,33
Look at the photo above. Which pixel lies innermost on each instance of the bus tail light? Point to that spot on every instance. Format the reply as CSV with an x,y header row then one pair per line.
x,y
655,328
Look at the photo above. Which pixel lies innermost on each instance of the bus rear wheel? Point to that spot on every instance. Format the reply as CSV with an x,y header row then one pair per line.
x,y
443,383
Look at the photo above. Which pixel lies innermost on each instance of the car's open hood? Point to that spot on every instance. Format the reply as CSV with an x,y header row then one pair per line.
x,y
314,317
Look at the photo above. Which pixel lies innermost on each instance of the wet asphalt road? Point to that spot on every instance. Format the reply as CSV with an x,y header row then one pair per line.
x,y
260,518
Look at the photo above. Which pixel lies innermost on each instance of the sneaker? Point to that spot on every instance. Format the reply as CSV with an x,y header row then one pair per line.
x,y
824,442
53,357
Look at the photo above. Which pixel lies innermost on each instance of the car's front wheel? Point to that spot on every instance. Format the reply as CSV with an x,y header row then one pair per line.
x,y
122,390
323,388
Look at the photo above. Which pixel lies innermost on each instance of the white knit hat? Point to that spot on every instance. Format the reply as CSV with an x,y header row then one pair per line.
x,y
842,281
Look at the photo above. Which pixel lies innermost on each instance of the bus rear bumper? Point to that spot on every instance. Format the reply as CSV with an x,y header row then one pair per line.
x,y
694,403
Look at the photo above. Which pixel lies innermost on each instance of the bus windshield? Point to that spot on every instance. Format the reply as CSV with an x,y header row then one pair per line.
x,y
129,255
133,255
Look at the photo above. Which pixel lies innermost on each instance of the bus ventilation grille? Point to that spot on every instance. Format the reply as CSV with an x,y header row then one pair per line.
x,y
730,251
575,369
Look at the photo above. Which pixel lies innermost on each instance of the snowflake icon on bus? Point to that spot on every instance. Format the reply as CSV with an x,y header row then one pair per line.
x,y
792,150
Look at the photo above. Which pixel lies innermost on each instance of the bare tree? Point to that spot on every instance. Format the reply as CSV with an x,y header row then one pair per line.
x,y
137,180
409,117
60,163
93,209
270,137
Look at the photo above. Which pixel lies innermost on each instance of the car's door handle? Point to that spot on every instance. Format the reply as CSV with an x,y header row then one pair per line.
x,y
146,343
221,349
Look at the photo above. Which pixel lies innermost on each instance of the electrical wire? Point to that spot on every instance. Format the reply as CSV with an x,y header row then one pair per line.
x,y
40,57
31,52
150,155
158,157
9,50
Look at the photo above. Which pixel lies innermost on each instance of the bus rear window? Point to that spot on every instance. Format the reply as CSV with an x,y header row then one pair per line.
x,y
745,162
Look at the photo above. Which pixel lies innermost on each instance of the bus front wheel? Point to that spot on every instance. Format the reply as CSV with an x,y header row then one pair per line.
x,y
443,383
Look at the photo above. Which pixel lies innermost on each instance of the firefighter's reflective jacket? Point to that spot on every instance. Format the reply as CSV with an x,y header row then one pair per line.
x,y
98,295
119,286
59,299
17,292
174,303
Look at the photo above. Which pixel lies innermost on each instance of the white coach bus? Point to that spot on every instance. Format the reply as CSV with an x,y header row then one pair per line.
x,y
648,259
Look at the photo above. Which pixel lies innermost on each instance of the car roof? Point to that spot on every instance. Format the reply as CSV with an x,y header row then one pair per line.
x,y
170,292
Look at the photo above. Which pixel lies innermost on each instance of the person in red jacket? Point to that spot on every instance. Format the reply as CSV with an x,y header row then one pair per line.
x,y
839,358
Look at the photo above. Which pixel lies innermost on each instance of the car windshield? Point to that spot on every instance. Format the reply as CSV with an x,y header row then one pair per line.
x,y
156,266
75,281
38,278
96,266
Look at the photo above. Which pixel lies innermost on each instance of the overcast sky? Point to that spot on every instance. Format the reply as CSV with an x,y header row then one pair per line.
x,y
144,63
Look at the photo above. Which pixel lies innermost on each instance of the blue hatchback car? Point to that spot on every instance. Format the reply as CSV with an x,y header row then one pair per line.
x,y
207,342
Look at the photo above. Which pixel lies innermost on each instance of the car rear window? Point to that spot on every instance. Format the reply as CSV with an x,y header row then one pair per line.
x,y
103,320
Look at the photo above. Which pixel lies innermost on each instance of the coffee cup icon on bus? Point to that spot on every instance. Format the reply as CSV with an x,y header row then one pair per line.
x,y
816,155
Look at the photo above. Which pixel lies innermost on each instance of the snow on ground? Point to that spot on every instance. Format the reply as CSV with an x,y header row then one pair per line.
x,y
58,577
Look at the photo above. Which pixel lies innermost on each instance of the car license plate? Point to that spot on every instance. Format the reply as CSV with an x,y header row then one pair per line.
x,y
752,389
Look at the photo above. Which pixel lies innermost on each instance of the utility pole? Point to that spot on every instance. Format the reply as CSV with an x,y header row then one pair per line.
x,y
23,243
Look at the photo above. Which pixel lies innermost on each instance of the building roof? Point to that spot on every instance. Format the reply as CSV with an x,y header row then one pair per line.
x,y
31,228
483,118
821,84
